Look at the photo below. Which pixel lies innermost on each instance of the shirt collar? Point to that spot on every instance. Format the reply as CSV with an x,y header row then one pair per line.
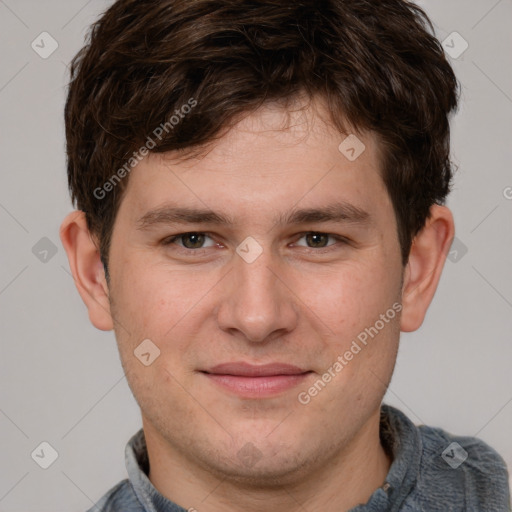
x,y
137,465
402,440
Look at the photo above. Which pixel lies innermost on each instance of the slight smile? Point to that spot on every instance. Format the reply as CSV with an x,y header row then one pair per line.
x,y
256,381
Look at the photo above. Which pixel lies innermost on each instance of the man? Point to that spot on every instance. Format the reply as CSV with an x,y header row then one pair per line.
x,y
260,189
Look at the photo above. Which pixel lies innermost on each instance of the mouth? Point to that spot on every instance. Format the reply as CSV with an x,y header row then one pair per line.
x,y
256,381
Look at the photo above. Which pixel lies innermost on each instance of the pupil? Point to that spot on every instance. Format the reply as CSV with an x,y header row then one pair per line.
x,y
196,240
317,239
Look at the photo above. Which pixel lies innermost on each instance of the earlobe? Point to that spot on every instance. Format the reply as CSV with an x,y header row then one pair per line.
x,y
87,269
423,271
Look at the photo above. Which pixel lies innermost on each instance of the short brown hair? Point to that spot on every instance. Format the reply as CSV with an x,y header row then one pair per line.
x,y
376,63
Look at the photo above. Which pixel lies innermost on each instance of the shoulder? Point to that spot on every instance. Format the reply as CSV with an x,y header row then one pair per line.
x,y
120,498
463,473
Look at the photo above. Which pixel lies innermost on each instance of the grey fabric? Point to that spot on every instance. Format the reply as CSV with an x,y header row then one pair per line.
x,y
421,478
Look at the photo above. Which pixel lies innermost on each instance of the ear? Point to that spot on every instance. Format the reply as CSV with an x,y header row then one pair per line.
x,y
87,269
423,270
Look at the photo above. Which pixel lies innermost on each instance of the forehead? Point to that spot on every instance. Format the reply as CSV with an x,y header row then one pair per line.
x,y
273,159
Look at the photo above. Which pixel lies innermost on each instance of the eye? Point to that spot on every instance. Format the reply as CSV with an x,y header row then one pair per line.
x,y
192,240
317,240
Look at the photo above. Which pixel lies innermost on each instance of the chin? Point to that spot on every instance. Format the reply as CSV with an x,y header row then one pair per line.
x,y
268,474
262,462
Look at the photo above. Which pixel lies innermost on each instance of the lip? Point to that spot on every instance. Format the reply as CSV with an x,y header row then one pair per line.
x,y
256,381
244,369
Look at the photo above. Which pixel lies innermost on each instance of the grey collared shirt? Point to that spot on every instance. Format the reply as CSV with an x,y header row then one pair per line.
x,y
431,471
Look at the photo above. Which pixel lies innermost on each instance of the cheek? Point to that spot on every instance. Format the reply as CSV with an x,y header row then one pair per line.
x,y
158,305
168,307
350,299
154,299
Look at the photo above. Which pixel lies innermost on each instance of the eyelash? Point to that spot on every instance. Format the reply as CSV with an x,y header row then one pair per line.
x,y
319,250
172,239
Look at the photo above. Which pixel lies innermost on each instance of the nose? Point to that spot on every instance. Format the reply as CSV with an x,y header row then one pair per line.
x,y
257,305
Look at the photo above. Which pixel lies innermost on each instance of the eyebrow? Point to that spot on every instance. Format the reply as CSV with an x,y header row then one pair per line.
x,y
338,212
180,215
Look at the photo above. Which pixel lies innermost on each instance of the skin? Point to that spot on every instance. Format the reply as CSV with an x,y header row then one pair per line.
x,y
299,302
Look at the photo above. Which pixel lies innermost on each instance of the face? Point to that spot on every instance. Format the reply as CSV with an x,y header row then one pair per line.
x,y
268,275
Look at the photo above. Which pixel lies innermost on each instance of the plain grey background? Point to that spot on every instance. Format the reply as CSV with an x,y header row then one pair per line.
x,y
61,380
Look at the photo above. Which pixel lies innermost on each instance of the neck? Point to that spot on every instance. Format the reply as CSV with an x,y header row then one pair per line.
x,y
348,478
